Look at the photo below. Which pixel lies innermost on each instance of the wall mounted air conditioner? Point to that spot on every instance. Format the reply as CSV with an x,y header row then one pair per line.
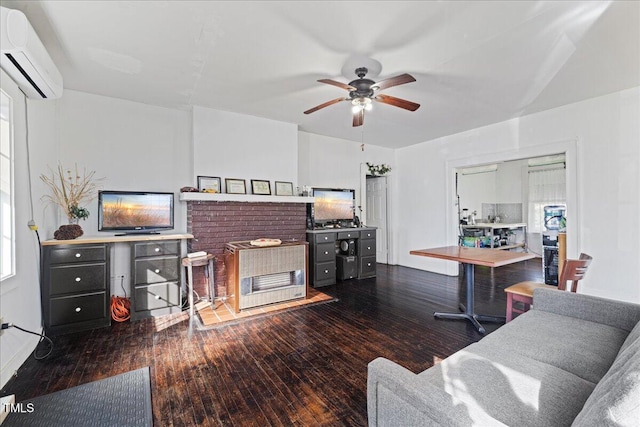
x,y
25,58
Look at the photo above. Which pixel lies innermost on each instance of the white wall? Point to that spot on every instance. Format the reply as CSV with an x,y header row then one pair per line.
x,y
608,185
476,189
509,182
20,294
231,145
337,163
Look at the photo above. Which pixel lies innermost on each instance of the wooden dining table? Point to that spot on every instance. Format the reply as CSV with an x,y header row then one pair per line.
x,y
470,257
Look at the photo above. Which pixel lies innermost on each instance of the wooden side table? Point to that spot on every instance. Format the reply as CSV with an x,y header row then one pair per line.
x,y
207,262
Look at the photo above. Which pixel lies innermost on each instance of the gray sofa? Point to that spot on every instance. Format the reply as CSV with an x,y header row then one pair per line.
x,y
572,360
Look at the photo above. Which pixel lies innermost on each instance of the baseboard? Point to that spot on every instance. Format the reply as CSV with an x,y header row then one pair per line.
x,y
17,359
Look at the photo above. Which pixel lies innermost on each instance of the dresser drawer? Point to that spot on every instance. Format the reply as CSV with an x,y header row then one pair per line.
x,y
367,247
65,279
77,253
161,295
325,252
348,235
368,266
325,271
156,270
171,247
65,310
324,237
368,234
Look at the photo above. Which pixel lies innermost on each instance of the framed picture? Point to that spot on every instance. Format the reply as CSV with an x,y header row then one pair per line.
x,y
284,188
259,186
209,184
235,186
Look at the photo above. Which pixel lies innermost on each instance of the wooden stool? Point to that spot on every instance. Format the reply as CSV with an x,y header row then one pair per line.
x,y
189,263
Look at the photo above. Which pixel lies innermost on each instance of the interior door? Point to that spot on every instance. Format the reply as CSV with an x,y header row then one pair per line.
x,y
377,214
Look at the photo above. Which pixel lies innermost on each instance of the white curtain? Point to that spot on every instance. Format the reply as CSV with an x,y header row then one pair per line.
x,y
546,187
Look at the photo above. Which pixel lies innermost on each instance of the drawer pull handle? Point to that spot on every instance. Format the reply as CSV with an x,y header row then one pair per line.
x,y
157,249
368,264
157,296
326,252
348,235
326,272
368,248
78,279
157,270
78,309
326,238
78,255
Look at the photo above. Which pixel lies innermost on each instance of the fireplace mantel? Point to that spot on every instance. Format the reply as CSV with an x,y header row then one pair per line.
x,y
255,198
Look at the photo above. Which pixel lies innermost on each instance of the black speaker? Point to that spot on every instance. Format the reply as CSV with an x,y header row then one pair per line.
x,y
346,267
348,247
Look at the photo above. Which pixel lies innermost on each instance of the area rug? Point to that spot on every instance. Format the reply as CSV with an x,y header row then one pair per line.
x,y
121,400
223,314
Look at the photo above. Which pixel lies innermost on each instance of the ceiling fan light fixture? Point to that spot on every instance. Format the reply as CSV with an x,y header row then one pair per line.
x,y
361,103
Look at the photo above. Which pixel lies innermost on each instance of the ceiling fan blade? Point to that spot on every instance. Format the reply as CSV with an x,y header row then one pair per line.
x,y
393,81
326,104
336,83
397,102
358,118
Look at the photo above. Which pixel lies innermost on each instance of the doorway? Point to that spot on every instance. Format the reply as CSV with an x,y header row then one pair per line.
x,y
568,147
377,214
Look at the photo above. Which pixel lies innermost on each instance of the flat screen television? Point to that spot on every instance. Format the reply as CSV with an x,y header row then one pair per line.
x,y
135,211
331,206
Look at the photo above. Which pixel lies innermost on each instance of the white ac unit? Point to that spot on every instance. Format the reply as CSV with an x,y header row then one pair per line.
x,y
25,58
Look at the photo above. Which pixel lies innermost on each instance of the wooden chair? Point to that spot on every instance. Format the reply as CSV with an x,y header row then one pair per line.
x,y
573,271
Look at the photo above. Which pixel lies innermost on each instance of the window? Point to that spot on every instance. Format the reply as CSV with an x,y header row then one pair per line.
x,y
546,187
7,247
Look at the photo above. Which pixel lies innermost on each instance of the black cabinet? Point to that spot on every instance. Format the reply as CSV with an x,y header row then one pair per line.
x,y
341,254
155,269
75,287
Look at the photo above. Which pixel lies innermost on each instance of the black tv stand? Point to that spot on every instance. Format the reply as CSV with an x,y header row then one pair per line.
x,y
129,233
324,250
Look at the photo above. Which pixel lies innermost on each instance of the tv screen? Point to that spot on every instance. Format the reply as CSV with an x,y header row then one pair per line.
x,y
134,211
333,205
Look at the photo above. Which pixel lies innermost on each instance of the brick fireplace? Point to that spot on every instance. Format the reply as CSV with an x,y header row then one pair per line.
x,y
215,223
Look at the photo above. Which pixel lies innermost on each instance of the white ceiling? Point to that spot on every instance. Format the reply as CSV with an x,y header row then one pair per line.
x,y
475,62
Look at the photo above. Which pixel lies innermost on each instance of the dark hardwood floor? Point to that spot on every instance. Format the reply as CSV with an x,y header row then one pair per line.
x,y
304,367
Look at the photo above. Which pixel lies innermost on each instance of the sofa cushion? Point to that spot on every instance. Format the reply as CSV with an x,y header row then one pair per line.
x,y
586,349
634,336
514,390
616,399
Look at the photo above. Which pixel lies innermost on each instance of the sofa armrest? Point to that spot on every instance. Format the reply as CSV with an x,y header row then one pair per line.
x,y
619,314
397,396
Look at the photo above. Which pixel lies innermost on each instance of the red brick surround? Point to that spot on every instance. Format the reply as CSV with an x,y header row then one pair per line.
x,y
213,224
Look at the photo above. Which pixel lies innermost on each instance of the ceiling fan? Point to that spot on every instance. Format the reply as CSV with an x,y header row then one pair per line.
x,y
362,93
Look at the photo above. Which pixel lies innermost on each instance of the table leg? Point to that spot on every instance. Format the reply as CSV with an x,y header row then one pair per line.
x,y
468,309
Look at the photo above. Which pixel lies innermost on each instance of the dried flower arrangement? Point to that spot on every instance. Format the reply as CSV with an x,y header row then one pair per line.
x,y
69,190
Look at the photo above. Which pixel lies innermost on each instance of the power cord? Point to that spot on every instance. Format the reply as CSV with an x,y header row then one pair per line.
x,y
42,338
121,306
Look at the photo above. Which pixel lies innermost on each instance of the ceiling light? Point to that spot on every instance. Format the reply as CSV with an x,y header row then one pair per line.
x,y
361,103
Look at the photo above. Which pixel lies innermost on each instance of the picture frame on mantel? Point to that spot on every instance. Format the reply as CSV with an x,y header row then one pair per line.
x,y
209,184
284,188
261,187
235,186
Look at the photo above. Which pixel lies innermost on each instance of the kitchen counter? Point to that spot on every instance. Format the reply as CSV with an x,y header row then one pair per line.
x,y
489,230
